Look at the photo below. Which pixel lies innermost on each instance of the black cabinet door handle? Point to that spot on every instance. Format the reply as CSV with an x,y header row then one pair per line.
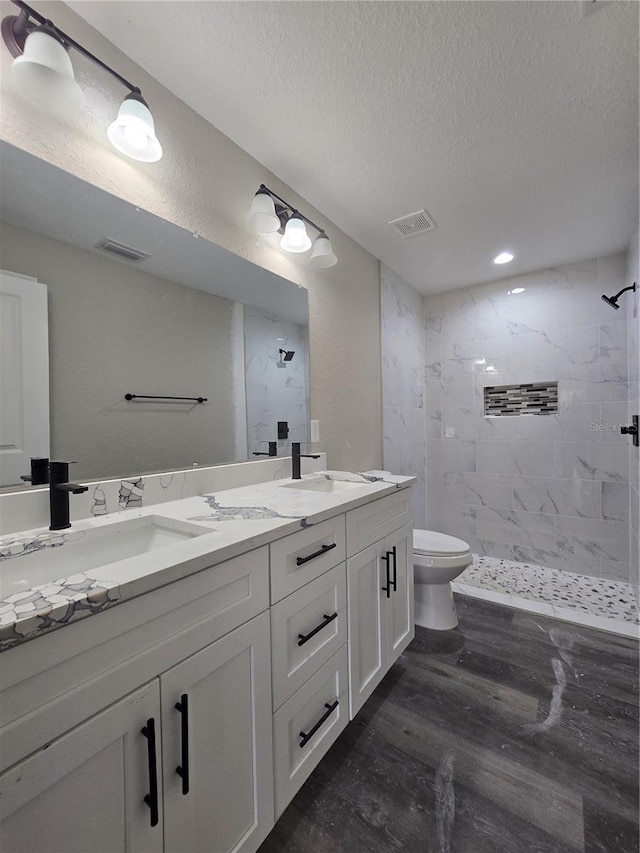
x,y
300,561
394,582
151,799
306,736
387,588
183,768
302,638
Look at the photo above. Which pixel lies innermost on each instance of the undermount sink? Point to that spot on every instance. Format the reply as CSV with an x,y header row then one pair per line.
x,y
68,552
323,485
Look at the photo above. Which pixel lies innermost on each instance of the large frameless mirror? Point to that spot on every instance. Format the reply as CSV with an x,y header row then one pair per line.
x,y
100,300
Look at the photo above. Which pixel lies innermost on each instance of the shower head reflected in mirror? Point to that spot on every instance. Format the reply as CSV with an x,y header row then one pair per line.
x,y
613,300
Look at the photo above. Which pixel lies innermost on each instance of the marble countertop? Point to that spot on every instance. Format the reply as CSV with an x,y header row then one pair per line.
x,y
232,521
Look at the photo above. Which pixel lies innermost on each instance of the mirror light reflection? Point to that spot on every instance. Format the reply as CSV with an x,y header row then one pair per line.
x,y
189,319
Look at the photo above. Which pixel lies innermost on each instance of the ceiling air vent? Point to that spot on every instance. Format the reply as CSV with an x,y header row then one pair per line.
x,y
127,253
414,223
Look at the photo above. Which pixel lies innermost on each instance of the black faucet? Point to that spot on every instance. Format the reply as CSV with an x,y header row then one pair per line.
x,y
273,450
296,456
57,475
39,475
59,489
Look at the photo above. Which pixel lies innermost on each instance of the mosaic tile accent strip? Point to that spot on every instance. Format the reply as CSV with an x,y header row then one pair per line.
x,y
536,398
592,596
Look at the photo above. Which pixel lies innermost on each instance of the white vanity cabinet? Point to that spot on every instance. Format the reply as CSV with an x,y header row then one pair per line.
x,y
217,764
84,793
186,719
380,591
144,775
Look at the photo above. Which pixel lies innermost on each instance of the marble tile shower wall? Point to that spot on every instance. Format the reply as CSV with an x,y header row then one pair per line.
x,y
276,390
550,490
403,413
633,336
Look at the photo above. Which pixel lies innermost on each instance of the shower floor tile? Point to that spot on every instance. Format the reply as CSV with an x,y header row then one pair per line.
x,y
595,602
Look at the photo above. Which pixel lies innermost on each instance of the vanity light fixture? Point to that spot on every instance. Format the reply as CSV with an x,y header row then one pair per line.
x,y
503,258
295,238
43,73
270,214
516,290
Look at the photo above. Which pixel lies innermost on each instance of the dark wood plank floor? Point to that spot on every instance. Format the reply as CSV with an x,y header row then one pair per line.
x,y
512,734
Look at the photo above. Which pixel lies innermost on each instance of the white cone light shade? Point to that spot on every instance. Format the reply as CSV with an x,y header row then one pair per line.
x,y
295,238
322,255
44,75
262,216
133,132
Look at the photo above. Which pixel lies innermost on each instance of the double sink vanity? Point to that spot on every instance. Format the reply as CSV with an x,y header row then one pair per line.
x,y
172,674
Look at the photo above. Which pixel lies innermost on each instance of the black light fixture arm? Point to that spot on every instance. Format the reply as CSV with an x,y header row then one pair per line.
x,y
20,28
294,210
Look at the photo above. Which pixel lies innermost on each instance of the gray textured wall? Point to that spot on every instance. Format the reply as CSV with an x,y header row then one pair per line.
x,y
113,330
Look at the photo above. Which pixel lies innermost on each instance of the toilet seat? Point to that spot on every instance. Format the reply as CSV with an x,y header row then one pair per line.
x,y
428,543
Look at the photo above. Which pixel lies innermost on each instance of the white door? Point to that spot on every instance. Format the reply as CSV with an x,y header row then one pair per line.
x,y
217,746
24,375
366,575
85,792
400,621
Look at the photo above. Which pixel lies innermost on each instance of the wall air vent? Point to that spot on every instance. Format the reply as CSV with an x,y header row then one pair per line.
x,y
127,253
415,223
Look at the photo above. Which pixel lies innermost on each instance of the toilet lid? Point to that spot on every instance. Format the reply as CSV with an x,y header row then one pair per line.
x,y
437,544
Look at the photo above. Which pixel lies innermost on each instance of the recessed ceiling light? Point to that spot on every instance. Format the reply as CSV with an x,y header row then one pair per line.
x,y
514,291
503,258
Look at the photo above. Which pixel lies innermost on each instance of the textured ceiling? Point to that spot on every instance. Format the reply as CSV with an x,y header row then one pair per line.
x,y
515,124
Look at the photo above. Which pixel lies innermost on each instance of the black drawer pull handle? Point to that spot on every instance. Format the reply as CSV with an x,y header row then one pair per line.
x,y
300,561
302,638
306,736
183,769
151,799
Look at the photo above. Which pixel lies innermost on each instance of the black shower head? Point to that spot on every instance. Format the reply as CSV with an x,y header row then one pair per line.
x,y
287,354
613,300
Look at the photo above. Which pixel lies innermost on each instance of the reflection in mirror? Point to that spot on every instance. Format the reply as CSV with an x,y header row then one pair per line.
x,y
277,353
171,324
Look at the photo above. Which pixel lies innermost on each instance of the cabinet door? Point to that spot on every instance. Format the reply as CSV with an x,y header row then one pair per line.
x,y
85,792
400,618
222,799
367,625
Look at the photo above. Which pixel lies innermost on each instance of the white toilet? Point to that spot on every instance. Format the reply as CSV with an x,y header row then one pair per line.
x,y
437,560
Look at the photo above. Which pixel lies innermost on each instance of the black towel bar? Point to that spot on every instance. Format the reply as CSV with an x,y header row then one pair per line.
x,y
156,397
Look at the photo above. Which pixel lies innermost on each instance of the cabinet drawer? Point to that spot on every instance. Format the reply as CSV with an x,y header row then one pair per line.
x,y
319,710
301,557
307,628
373,521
